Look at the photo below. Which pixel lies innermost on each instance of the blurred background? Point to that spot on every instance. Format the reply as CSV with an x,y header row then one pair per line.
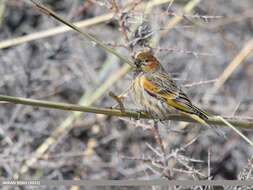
x,y
64,66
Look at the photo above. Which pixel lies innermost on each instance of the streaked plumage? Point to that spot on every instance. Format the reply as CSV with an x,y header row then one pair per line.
x,y
154,91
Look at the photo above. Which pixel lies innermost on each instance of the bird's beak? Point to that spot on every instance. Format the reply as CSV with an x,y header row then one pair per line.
x,y
137,62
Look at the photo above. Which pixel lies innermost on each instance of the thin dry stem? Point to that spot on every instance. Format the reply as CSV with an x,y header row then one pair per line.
x,y
121,23
122,109
128,113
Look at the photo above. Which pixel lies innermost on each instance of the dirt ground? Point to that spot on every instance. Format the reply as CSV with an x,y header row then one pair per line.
x,y
66,67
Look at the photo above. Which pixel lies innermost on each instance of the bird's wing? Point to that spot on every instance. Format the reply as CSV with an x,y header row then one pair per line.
x,y
164,88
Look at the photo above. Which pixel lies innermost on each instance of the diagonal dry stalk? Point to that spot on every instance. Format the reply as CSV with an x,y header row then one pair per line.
x,y
54,31
236,62
236,130
117,98
90,37
2,8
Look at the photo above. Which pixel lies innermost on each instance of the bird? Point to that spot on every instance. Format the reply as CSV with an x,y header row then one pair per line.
x,y
156,93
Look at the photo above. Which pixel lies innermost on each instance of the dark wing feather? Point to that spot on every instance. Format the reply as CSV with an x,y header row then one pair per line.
x,y
164,88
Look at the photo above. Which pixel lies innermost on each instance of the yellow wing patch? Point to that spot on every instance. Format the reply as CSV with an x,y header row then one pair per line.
x,y
176,105
169,96
197,118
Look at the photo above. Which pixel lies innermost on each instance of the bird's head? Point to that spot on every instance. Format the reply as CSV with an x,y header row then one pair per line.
x,y
145,61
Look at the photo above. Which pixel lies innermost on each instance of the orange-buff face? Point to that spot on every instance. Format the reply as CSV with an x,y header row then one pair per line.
x,y
145,61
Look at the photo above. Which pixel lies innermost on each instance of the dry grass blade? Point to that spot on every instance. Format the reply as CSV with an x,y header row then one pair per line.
x,y
230,69
236,130
2,9
54,31
90,37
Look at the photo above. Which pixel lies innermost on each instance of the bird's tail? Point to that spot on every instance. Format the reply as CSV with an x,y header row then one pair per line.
x,y
201,116
199,119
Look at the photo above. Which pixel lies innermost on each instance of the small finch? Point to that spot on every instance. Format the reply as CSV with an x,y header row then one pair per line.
x,y
154,91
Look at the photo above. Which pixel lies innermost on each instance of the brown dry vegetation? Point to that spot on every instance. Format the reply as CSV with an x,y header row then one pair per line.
x,y
65,67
